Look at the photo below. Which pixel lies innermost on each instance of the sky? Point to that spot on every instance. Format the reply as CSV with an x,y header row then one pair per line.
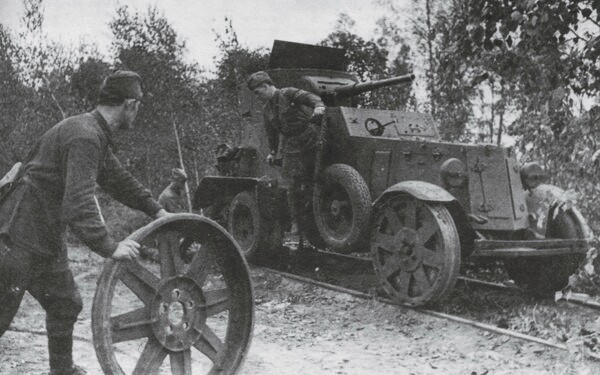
x,y
257,23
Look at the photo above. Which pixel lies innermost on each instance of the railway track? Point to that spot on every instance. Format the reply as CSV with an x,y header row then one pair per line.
x,y
314,267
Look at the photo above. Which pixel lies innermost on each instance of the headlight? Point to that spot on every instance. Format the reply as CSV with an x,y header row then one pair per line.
x,y
453,172
532,175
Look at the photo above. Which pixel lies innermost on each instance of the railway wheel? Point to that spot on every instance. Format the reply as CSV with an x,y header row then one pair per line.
x,y
415,249
252,232
543,276
199,313
342,208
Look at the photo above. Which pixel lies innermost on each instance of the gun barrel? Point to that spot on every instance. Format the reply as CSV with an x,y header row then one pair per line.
x,y
361,87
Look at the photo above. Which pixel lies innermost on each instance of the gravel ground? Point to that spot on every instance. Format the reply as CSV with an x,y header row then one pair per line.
x,y
301,329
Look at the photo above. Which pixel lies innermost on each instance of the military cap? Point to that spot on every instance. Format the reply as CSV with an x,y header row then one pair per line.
x,y
178,174
258,78
120,85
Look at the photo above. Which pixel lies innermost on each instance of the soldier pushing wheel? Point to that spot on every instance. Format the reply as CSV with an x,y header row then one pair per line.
x,y
55,189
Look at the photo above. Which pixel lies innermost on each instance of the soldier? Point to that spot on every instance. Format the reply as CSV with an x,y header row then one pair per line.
x,y
173,197
288,113
55,189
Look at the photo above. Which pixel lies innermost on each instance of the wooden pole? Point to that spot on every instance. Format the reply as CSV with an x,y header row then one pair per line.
x,y
187,188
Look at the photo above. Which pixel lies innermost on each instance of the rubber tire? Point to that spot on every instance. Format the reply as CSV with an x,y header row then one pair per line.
x,y
266,236
544,276
307,222
359,195
452,255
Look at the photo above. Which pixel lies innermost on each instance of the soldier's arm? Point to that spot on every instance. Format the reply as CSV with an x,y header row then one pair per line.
x,y
306,98
121,185
79,209
272,135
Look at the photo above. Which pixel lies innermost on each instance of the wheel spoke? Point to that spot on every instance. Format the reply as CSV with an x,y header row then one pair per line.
x,y
132,325
392,219
403,282
431,258
170,258
410,214
421,279
217,301
426,231
209,343
198,269
386,242
181,362
391,266
151,358
141,281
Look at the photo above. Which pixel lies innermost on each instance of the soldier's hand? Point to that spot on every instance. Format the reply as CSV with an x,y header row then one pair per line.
x,y
126,250
270,159
318,112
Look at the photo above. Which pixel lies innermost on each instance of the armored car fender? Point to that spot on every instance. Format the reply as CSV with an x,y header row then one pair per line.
x,y
421,190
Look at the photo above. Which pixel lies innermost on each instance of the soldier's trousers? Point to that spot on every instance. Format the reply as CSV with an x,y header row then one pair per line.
x,y
297,170
50,282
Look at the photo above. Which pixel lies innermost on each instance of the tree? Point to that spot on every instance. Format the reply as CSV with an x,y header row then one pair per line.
x,y
371,59
147,44
234,64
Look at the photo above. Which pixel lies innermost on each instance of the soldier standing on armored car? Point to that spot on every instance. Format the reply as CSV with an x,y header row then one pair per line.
x,y
288,113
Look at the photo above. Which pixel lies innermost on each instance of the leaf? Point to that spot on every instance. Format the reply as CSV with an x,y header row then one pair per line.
x,y
516,16
534,20
509,41
586,12
488,45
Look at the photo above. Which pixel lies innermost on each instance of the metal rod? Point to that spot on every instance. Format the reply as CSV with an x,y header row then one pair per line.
x,y
483,326
187,188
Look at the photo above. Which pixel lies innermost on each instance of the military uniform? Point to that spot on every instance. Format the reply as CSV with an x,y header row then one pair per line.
x,y
288,114
57,189
173,198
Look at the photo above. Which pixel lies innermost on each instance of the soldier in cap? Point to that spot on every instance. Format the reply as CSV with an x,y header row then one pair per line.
x,y
55,189
288,113
173,197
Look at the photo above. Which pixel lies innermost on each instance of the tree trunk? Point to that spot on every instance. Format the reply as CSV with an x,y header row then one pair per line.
x,y
430,50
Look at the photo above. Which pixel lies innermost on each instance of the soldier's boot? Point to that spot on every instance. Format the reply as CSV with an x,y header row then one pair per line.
x,y
60,351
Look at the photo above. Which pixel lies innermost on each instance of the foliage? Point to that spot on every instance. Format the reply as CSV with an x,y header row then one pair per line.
x,y
370,60
147,44
234,64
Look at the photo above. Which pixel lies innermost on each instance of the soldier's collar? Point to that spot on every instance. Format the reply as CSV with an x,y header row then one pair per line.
x,y
104,126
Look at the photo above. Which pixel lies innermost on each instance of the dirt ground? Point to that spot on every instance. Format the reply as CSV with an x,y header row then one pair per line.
x,y
301,329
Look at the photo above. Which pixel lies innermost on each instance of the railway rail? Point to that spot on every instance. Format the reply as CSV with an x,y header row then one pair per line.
x,y
317,279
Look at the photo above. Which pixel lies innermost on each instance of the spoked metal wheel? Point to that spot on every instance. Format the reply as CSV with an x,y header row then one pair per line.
x,y
255,235
198,313
542,276
415,249
243,225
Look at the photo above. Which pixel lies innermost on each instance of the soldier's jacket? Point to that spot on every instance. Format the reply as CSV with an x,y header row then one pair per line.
x,y
171,200
288,113
58,186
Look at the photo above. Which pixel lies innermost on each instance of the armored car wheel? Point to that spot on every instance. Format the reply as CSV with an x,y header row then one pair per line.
x,y
199,314
415,249
254,234
543,276
342,208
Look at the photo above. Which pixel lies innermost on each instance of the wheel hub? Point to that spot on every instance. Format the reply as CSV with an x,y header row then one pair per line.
x,y
175,310
243,230
410,258
335,207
